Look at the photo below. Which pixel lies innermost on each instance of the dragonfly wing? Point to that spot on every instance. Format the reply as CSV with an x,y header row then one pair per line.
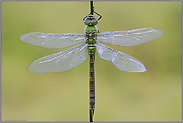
x,y
61,61
122,61
50,40
131,37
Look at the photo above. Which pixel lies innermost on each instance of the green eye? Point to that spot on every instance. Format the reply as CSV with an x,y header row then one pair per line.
x,y
90,20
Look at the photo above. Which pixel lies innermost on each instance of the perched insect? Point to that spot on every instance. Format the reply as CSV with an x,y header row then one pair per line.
x,y
88,43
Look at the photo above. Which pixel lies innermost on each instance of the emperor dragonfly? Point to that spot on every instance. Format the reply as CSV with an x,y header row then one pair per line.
x,y
88,43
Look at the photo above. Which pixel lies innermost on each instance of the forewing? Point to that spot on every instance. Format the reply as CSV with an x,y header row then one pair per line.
x,y
122,61
55,41
61,61
131,37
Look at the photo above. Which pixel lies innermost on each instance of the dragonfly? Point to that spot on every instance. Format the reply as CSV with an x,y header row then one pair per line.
x,y
87,44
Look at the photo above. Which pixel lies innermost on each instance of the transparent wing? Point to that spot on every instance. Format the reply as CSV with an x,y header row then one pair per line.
x,y
50,40
61,61
131,37
122,61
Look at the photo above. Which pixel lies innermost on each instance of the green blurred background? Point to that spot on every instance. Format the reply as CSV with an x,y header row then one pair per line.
x,y
120,96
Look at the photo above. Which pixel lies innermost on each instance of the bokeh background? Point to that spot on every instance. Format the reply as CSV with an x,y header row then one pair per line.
x,y
120,96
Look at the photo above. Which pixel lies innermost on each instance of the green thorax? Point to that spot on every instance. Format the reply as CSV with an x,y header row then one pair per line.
x,y
91,33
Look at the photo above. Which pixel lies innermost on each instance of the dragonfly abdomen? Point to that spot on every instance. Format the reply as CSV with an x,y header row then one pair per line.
x,y
91,52
92,82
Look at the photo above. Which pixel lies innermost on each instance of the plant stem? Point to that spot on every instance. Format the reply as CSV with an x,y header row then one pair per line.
x,y
91,4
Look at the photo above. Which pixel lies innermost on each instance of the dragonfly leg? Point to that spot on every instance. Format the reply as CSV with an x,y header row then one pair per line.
x,y
95,13
85,17
98,15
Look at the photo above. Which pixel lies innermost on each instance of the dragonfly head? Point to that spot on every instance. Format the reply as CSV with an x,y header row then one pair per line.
x,y
90,20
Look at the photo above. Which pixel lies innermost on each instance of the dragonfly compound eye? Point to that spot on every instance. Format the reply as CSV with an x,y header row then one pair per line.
x,y
90,20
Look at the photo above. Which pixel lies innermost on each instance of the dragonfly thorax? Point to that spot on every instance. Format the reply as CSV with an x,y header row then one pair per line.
x,y
90,20
91,34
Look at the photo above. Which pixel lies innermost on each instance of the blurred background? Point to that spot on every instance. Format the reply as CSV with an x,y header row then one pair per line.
x,y
120,96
